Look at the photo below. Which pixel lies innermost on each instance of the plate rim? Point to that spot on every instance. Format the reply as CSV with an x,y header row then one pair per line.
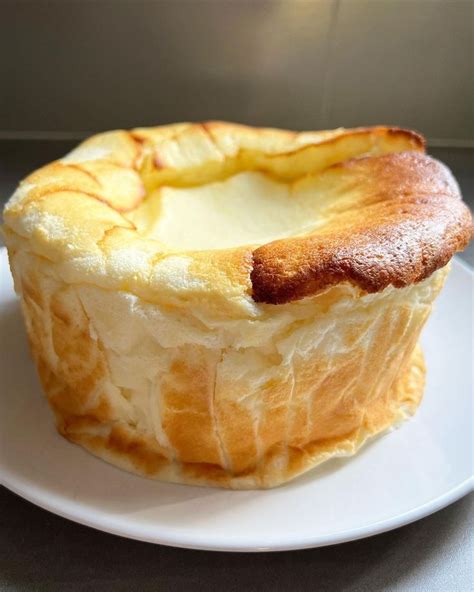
x,y
225,545
74,510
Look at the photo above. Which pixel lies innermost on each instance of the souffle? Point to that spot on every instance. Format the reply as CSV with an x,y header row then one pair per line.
x,y
222,305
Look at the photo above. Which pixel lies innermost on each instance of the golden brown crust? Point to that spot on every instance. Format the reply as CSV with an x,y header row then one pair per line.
x,y
407,222
400,217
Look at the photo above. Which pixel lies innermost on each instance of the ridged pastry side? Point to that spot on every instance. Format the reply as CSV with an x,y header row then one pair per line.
x,y
243,403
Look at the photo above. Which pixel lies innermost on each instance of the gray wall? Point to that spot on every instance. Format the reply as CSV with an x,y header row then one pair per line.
x,y
69,67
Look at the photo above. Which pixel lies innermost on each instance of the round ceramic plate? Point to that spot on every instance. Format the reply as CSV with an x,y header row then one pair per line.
x,y
396,479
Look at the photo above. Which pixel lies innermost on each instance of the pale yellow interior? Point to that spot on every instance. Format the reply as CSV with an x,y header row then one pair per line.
x,y
250,208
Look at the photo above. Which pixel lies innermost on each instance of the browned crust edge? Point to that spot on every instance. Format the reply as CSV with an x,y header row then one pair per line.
x,y
417,224
414,226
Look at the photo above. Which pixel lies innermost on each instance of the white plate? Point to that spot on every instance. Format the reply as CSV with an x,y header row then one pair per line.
x,y
396,479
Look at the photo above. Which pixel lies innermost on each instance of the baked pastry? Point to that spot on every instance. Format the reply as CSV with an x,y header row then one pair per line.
x,y
221,305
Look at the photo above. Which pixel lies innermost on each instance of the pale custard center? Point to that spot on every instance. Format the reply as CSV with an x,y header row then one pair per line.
x,y
249,208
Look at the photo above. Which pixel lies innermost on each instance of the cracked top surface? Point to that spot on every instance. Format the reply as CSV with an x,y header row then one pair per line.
x,y
232,215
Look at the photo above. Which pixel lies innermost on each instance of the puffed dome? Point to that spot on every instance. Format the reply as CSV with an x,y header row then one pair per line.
x,y
234,213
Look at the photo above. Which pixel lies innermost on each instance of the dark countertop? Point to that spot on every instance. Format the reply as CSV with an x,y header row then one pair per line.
x,y
40,551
